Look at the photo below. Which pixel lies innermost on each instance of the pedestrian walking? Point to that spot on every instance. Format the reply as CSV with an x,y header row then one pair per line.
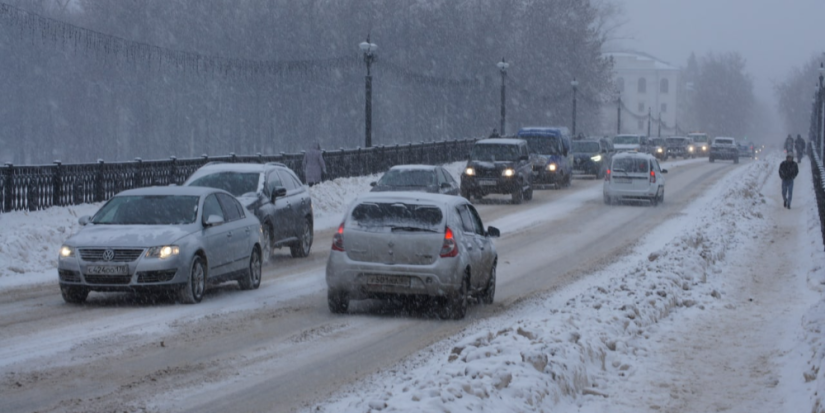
x,y
789,144
800,148
787,172
314,167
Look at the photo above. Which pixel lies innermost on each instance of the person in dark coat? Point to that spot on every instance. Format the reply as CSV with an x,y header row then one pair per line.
x,y
800,148
314,166
787,172
789,144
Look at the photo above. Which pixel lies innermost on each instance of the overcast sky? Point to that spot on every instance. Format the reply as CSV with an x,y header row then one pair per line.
x,y
772,35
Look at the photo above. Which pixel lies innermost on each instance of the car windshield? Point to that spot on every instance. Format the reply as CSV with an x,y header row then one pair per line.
x,y
699,138
658,142
397,215
630,165
545,145
408,177
236,183
494,152
675,141
724,142
148,210
585,147
626,140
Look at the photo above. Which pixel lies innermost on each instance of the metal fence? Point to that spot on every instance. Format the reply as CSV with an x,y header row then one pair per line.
x,y
816,150
38,187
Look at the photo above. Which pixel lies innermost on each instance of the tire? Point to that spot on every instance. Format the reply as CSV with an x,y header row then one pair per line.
x,y
301,248
251,280
568,180
736,160
654,200
489,293
337,301
192,291
662,197
74,294
455,305
518,194
266,242
607,200
528,194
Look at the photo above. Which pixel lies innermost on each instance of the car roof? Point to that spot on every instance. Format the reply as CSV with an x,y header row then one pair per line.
x,y
501,141
725,137
633,155
410,197
236,167
544,130
414,167
171,190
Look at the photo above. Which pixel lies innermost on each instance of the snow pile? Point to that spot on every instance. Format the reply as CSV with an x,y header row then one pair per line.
x,y
814,320
30,244
577,342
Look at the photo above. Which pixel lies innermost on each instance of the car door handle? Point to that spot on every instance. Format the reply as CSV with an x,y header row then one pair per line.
x,y
469,246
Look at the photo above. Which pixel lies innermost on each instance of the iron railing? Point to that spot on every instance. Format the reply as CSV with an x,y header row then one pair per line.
x,y
35,187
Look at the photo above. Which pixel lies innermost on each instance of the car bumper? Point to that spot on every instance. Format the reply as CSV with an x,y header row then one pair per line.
x,y
587,167
615,191
362,280
489,185
140,274
542,176
724,155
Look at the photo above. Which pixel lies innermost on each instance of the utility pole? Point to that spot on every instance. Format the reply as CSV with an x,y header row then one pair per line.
x,y
619,116
369,55
648,121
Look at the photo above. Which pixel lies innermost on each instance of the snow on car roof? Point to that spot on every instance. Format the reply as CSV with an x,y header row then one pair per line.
x,y
410,197
170,190
632,155
413,167
234,167
500,141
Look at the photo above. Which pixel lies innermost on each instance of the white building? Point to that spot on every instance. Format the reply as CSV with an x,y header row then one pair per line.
x,y
648,89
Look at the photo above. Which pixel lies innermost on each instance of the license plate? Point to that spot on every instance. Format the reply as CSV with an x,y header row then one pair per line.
x,y
107,269
621,180
393,280
487,182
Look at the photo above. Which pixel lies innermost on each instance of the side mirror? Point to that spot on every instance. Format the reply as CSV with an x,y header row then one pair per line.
x,y
664,171
278,192
85,219
373,183
446,185
493,232
523,157
213,221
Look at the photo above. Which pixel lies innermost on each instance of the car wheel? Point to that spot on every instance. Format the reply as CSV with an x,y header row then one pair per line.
x,y
528,194
518,194
73,294
301,248
455,305
654,200
266,242
607,200
337,301
568,180
736,160
489,293
191,292
252,279
662,196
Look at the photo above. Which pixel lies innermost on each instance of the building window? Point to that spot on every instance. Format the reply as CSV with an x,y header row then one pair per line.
x,y
664,85
642,85
641,125
620,84
641,107
664,108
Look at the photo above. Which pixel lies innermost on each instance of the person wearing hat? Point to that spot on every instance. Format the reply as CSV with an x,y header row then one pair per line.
x,y
787,172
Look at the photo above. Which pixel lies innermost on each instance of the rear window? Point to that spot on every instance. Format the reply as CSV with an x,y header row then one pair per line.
x,y
397,215
545,145
408,177
630,165
724,141
587,147
626,140
236,183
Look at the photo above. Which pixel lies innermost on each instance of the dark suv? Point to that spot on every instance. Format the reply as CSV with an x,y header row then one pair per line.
x,y
591,156
274,194
724,148
498,166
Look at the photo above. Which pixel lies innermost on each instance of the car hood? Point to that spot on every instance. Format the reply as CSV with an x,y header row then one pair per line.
x,y
491,165
584,154
130,235
625,146
384,188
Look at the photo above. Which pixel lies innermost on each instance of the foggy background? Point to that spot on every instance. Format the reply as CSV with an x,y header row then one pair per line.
x,y
115,80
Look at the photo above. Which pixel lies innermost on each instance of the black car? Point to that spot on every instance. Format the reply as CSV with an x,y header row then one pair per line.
x,y
724,148
498,166
274,194
680,146
658,148
426,178
590,157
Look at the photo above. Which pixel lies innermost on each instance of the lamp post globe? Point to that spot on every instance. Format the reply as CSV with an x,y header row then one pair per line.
x,y
369,55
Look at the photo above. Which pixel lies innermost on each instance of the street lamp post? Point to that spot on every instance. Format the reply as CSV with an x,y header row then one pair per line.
x,y
369,55
575,84
619,116
502,67
648,121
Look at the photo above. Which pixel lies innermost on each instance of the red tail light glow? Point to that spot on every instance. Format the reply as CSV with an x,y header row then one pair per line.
x,y
607,175
449,248
338,239
652,177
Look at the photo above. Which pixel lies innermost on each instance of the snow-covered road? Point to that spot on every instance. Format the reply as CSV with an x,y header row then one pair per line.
x,y
696,305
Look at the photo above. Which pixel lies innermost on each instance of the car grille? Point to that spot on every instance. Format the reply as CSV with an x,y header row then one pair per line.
x,y
107,279
487,173
156,276
69,276
121,255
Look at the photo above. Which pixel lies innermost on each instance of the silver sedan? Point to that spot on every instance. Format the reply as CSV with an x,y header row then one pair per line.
x,y
415,245
179,238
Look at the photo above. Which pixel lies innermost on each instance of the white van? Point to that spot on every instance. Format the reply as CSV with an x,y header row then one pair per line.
x,y
634,176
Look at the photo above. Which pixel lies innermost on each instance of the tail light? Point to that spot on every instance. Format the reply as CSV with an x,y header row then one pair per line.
x,y
449,248
652,177
607,175
338,239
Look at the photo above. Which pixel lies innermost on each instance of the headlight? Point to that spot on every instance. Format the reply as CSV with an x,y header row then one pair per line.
x,y
596,158
690,149
704,148
66,252
551,167
659,150
163,252
508,172
469,172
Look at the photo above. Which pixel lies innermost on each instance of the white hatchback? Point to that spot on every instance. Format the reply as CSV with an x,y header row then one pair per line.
x,y
634,176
